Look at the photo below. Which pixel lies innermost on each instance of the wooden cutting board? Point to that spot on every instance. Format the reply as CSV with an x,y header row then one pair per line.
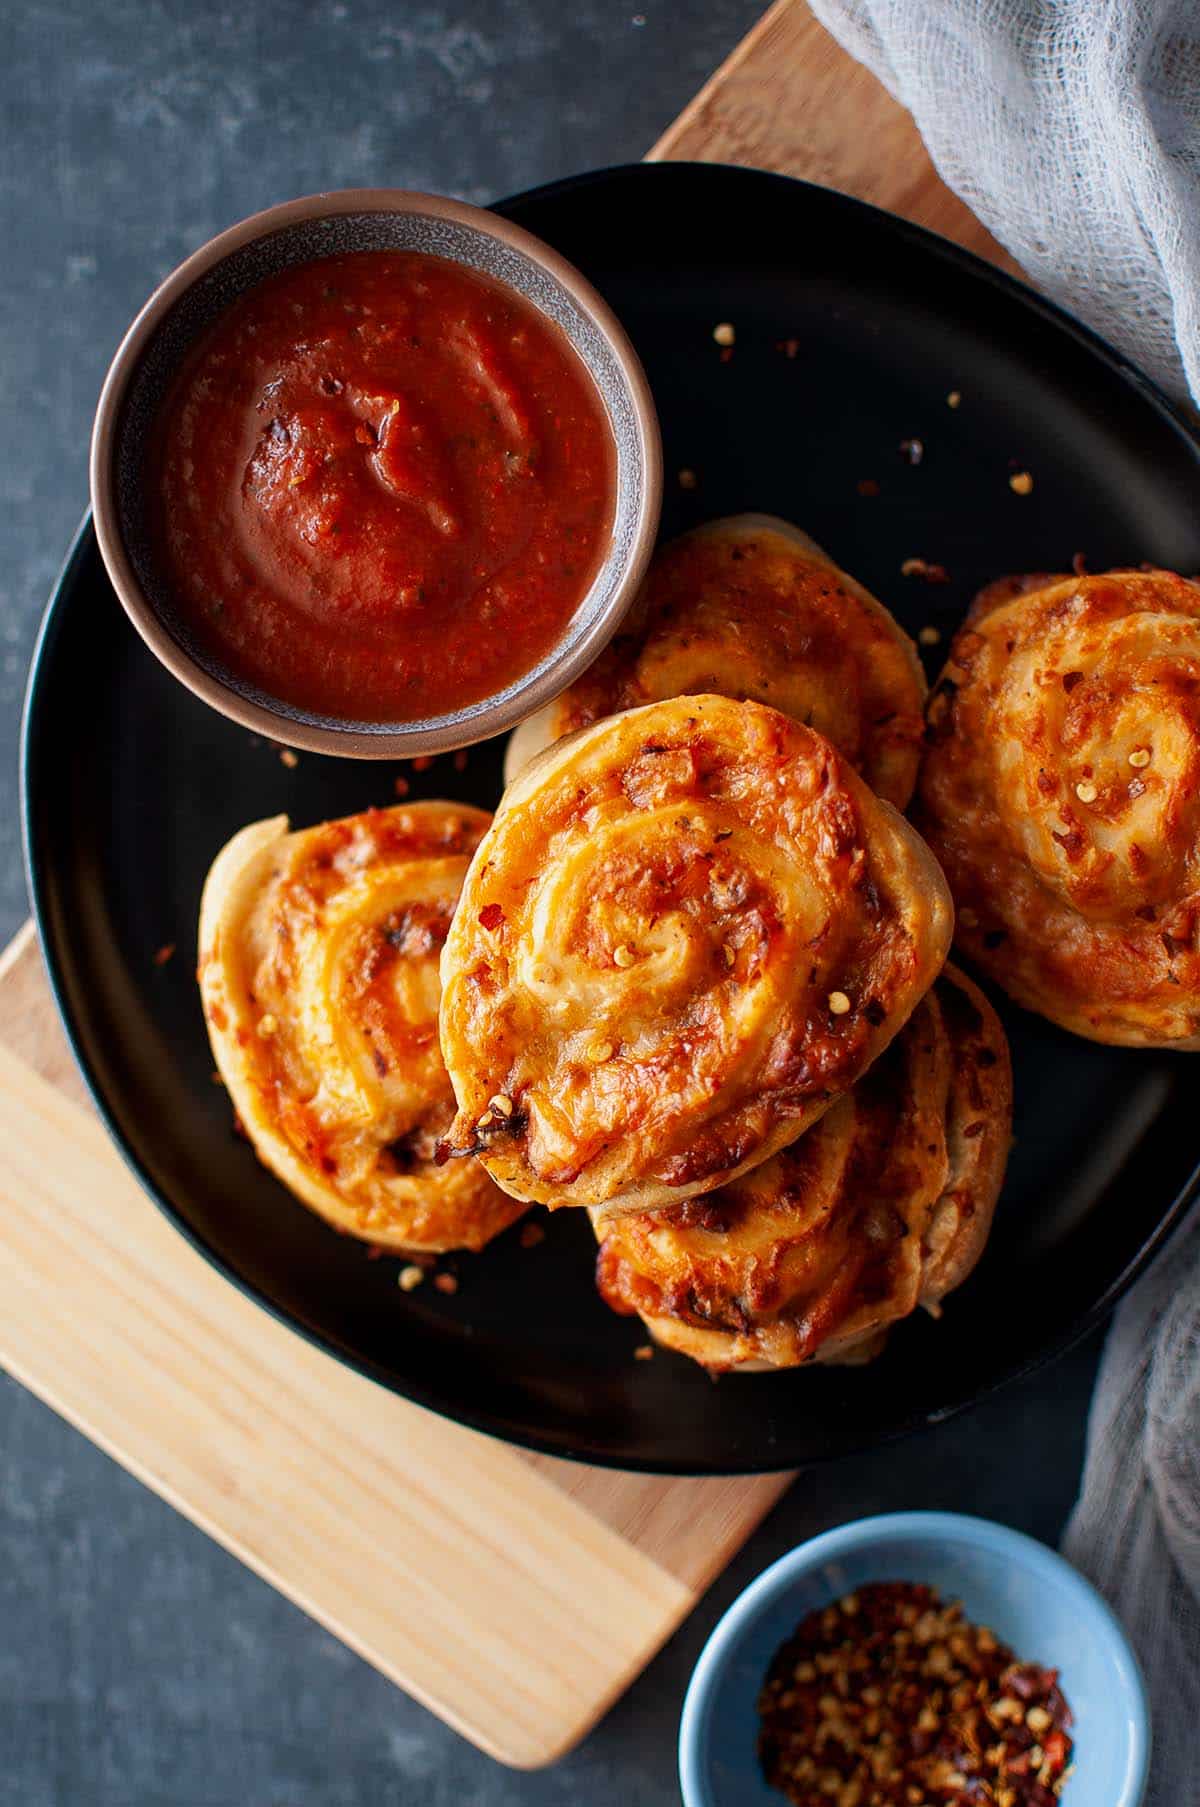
x,y
513,1594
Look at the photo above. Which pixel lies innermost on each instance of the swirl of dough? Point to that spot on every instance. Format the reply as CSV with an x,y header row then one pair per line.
x,y
884,1205
319,980
689,928
1061,792
749,607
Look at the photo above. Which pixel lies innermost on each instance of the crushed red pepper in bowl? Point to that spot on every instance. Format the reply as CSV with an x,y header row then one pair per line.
x,y
891,1698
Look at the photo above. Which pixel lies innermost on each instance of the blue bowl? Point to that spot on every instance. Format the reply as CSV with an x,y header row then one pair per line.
x,y
1028,1596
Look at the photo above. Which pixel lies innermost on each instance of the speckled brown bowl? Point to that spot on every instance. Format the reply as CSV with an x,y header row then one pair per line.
x,y
324,225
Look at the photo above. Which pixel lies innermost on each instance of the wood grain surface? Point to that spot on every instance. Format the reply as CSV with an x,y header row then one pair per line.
x,y
516,1595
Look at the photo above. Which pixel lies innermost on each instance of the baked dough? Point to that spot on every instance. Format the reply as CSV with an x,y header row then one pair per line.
x,y
751,607
319,980
884,1205
690,927
1061,792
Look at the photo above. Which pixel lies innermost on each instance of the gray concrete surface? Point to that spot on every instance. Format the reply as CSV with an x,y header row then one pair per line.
x,y
139,1665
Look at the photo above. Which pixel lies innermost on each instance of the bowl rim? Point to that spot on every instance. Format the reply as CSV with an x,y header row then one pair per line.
x,y
492,715
862,1533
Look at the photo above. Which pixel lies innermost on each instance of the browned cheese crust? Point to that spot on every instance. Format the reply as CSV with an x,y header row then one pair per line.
x,y
884,1205
319,979
750,607
689,929
1061,793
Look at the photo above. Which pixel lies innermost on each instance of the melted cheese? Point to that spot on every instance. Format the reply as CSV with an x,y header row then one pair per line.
x,y
749,607
319,978
884,1205
1061,792
648,941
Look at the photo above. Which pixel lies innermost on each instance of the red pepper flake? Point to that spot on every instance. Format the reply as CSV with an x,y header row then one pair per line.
x,y
491,916
789,347
401,786
288,758
921,567
890,1697
1079,564
460,760
726,354
531,1235
446,1283
165,953
422,762
867,486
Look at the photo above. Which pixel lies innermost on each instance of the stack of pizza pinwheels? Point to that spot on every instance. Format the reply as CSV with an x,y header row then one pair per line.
x,y
692,976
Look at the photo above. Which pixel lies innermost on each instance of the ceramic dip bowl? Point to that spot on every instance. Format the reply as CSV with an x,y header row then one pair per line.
x,y
300,232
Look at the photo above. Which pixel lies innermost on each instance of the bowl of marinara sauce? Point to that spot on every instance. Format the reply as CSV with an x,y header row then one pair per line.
x,y
376,473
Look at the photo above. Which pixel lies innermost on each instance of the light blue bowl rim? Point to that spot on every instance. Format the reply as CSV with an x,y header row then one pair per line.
x,y
958,1527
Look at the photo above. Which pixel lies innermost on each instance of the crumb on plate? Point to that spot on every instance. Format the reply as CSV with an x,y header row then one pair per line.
x,y
922,567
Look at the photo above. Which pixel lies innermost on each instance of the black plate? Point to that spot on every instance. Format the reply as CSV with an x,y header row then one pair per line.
x,y
131,786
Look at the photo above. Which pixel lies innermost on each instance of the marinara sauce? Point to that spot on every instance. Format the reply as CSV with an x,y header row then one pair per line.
x,y
381,485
